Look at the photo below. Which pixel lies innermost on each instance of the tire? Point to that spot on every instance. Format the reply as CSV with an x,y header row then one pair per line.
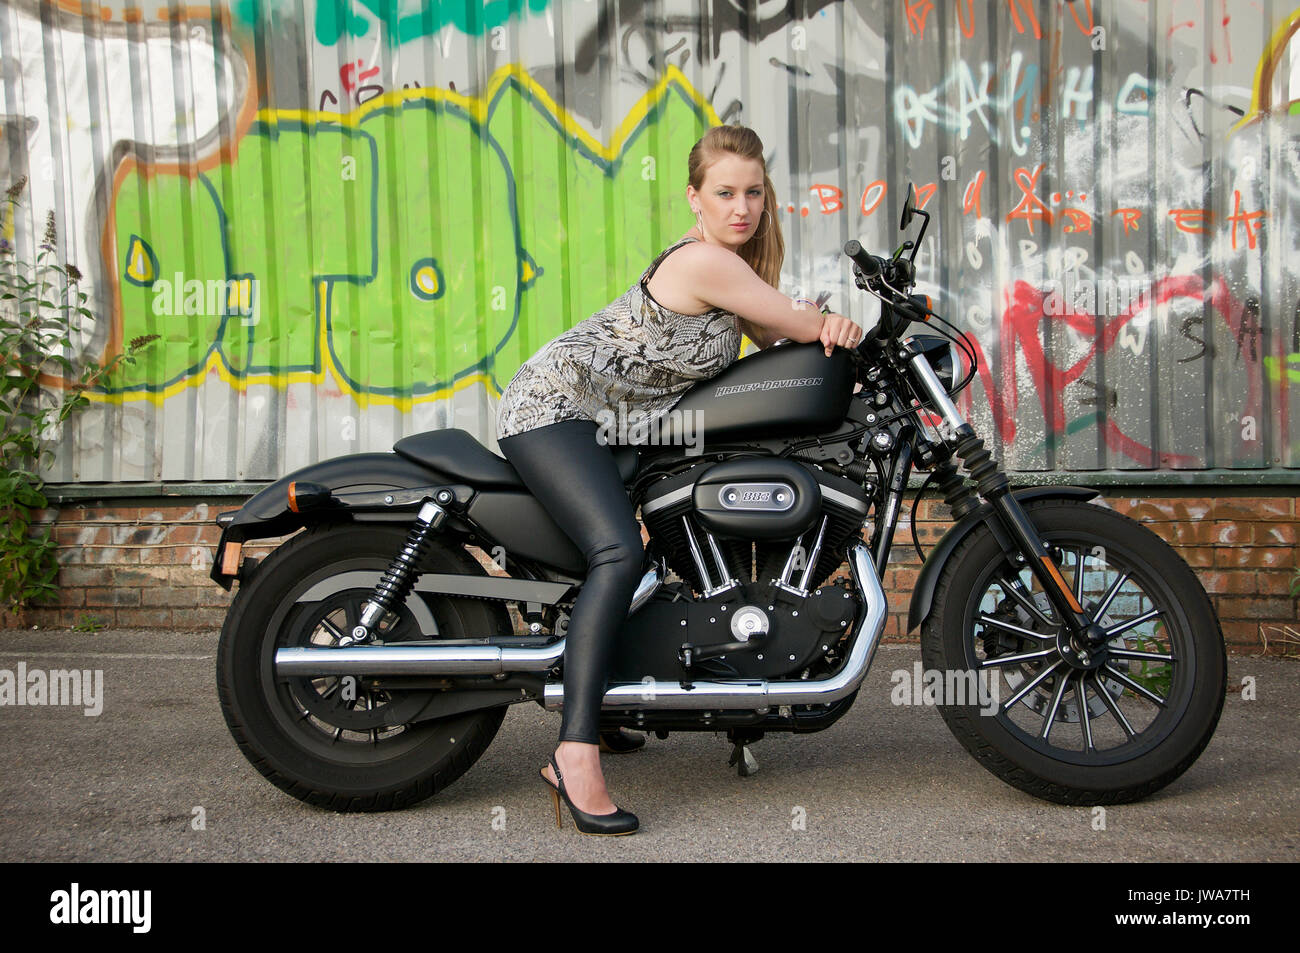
x,y
307,736
1113,744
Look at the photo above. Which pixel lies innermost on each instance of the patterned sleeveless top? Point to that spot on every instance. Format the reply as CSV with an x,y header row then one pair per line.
x,y
632,357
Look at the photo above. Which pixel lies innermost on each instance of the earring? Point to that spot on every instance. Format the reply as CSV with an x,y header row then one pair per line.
x,y
769,225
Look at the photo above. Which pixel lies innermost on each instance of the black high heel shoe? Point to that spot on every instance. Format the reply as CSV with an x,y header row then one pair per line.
x,y
610,825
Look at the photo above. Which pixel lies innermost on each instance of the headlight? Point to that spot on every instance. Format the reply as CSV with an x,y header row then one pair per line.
x,y
942,355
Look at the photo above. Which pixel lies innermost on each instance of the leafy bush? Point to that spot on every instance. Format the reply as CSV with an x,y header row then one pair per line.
x,y
40,310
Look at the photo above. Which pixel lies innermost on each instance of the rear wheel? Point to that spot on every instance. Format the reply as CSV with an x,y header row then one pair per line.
x,y
344,742
1114,732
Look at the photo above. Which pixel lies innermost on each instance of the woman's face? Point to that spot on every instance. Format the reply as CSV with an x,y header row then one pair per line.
x,y
730,203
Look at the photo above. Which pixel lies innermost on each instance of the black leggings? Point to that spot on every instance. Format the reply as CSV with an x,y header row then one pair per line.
x,y
577,481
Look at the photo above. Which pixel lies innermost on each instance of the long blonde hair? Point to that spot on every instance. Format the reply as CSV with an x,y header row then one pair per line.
x,y
765,251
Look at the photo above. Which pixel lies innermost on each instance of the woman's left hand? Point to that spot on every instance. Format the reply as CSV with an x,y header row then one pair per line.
x,y
839,331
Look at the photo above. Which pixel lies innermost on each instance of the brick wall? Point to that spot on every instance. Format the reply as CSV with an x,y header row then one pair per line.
x,y
145,563
1242,548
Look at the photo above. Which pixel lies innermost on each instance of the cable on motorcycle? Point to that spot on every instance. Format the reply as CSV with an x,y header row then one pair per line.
x,y
916,540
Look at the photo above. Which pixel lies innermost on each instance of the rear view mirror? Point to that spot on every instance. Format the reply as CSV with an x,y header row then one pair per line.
x,y
909,208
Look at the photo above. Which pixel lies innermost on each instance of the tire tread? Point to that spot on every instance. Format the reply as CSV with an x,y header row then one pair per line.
x,y
962,723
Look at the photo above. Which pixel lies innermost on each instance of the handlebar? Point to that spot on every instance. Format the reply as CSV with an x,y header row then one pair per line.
x,y
868,264
890,279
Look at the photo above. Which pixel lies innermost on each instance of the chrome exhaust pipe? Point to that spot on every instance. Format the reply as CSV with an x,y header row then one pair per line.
x,y
416,660
439,660
735,694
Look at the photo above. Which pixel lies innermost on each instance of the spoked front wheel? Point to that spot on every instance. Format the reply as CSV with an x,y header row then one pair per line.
x,y
1126,723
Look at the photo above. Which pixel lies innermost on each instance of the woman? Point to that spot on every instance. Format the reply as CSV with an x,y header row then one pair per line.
x,y
679,324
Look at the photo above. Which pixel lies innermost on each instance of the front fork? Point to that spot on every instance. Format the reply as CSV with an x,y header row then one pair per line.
x,y
1081,640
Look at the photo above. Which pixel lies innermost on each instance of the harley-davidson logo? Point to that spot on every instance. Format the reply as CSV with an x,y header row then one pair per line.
x,y
766,385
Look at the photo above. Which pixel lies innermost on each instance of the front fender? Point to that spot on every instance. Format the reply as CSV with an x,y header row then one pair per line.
x,y
928,581
267,512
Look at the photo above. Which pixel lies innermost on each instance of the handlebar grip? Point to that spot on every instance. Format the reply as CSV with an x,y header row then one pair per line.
x,y
869,264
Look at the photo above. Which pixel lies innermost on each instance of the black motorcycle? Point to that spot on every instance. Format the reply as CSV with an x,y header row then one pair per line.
x,y
369,660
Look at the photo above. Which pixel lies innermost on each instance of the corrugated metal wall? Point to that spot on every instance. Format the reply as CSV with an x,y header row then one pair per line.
x,y
352,220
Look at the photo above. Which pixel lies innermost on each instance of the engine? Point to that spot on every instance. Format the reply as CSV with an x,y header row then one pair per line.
x,y
754,520
754,538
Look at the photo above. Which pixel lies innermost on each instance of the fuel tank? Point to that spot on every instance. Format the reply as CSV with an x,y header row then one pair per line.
x,y
792,389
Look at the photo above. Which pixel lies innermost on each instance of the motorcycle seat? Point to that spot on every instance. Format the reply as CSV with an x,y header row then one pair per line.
x,y
456,453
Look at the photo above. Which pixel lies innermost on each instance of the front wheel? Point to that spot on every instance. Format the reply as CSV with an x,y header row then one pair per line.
x,y
1116,731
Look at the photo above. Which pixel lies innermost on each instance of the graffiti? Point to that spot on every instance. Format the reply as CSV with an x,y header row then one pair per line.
x,y
399,23
915,111
1021,336
449,319
1024,19
704,24
1217,27
330,205
69,162
1002,106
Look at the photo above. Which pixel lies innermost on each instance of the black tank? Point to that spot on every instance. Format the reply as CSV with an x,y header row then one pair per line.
x,y
793,389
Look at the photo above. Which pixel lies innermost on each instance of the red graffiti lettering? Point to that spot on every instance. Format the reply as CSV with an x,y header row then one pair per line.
x,y
917,11
967,22
1021,332
1079,220
829,196
1029,10
1193,221
880,188
1250,220
971,198
1130,218
1087,29
1031,207
925,193
346,71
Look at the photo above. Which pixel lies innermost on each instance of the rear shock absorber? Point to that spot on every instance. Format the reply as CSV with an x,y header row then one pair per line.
x,y
396,583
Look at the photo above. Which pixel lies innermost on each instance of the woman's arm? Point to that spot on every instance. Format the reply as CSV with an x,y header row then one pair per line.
x,y
761,338
722,279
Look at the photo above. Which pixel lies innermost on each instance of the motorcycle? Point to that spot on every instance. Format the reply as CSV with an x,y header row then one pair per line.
x,y
368,661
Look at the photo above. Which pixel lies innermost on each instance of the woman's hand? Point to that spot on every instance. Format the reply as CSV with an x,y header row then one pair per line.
x,y
839,331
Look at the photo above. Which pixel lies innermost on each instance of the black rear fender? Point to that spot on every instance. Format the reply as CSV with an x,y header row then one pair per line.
x,y
267,512
512,519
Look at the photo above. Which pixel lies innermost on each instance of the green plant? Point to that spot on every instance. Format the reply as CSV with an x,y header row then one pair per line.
x,y
1154,676
89,623
41,309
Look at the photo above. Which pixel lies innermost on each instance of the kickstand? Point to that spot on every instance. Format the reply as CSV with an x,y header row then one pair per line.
x,y
744,762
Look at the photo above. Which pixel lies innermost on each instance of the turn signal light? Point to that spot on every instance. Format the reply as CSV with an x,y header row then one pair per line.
x,y
306,496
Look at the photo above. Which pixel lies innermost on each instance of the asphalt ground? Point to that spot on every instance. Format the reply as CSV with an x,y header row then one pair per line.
x,y
155,776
